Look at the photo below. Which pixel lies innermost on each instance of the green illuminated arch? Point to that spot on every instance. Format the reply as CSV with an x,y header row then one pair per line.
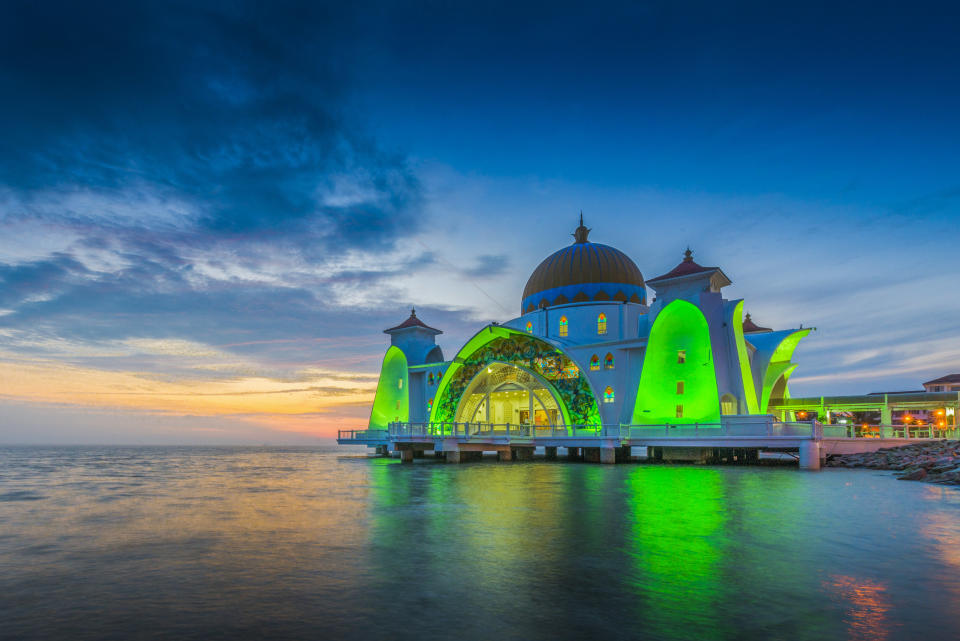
x,y
776,380
392,401
679,327
496,343
749,390
778,371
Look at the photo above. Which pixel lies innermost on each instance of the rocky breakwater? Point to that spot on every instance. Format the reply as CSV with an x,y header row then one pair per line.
x,y
931,461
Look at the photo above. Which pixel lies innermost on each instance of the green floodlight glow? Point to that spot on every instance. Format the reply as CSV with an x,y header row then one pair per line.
x,y
749,390
788,345
392,401
775,372
679,327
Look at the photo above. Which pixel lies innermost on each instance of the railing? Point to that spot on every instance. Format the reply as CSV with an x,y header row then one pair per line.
x,y
362,435
890,431
407,431
805,429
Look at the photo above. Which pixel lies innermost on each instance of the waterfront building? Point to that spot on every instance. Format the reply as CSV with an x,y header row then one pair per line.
x,y
589,349
948,383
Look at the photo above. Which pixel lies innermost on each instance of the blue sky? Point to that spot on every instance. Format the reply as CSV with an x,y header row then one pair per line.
x,y
208,212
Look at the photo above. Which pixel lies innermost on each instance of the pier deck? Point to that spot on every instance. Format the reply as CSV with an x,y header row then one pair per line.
x,y
746,435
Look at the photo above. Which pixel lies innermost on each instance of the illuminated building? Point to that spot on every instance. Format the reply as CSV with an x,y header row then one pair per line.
x,y
588,349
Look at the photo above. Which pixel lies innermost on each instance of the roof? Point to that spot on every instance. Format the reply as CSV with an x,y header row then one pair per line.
x,y
685,268
749,326
583,271
949,378
412,321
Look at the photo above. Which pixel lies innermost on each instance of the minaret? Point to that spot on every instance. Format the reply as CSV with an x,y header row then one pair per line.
x,y
416,340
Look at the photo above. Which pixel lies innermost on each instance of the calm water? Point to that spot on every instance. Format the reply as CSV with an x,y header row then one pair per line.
x,y
120,543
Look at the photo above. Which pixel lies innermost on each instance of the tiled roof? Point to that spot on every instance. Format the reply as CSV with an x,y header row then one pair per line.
x,y
949,378
685,268
413,321
749,326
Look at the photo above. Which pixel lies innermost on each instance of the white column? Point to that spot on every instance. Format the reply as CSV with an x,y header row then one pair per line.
x,y
810,455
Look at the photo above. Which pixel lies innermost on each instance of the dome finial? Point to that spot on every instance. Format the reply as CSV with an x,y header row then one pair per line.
x,y
580,234
688,255
413,312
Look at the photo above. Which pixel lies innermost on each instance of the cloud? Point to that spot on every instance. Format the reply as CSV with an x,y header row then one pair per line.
x,y
229,120
487,266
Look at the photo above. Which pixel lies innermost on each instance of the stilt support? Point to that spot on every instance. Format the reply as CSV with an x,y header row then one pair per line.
x,y
810,455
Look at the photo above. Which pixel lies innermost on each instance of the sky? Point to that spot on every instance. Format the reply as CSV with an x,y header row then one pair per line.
x,y
210,211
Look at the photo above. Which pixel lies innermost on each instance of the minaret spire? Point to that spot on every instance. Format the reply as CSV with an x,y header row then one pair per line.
x,y
580,234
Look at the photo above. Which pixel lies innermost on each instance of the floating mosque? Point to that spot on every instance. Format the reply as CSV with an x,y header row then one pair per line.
x,y
588,349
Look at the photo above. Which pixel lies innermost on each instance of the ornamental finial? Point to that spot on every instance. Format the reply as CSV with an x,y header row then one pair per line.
x,y
580,234
413,312
687,255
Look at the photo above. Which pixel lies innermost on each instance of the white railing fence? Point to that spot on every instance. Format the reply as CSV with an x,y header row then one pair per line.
x,y
771,428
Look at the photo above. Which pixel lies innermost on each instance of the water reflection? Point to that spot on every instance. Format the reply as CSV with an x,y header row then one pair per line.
x,y
869,605
676,517
219,543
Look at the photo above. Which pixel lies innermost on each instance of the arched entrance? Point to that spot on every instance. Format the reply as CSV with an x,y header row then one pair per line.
x,y
502,393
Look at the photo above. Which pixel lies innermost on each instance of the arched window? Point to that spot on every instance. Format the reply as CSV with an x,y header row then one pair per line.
x,y
399,383
430,404
529,327
608,395
594,362
608,361
602,324
563,325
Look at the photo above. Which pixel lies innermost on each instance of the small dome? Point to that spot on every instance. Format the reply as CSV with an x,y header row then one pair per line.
x,y
584,271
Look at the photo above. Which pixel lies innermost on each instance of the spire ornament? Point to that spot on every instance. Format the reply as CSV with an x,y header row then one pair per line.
x,y
580,234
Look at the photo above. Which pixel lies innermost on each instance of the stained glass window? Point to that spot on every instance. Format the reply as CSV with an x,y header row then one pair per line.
x,y
529,327
594,362
602,324
563,325
608,395
608,361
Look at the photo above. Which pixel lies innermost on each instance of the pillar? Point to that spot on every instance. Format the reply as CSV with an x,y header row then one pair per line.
x,y
453,456
506,454
550,453
810,455
886,414
523,453
406,456
608,455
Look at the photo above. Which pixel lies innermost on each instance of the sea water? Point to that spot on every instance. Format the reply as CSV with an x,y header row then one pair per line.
x,y
321,543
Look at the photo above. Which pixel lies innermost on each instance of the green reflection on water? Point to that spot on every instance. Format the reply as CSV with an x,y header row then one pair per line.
x,y
677,518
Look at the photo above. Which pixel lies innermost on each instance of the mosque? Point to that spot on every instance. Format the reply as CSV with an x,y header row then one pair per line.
x,y
588,349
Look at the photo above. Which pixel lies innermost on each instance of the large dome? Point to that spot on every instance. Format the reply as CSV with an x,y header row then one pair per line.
x,y
584,271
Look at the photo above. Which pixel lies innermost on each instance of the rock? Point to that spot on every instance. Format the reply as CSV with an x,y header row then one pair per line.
x,y
917,474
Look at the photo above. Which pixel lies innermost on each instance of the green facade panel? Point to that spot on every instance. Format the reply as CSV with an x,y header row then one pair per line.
x,y
392,400
678,351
